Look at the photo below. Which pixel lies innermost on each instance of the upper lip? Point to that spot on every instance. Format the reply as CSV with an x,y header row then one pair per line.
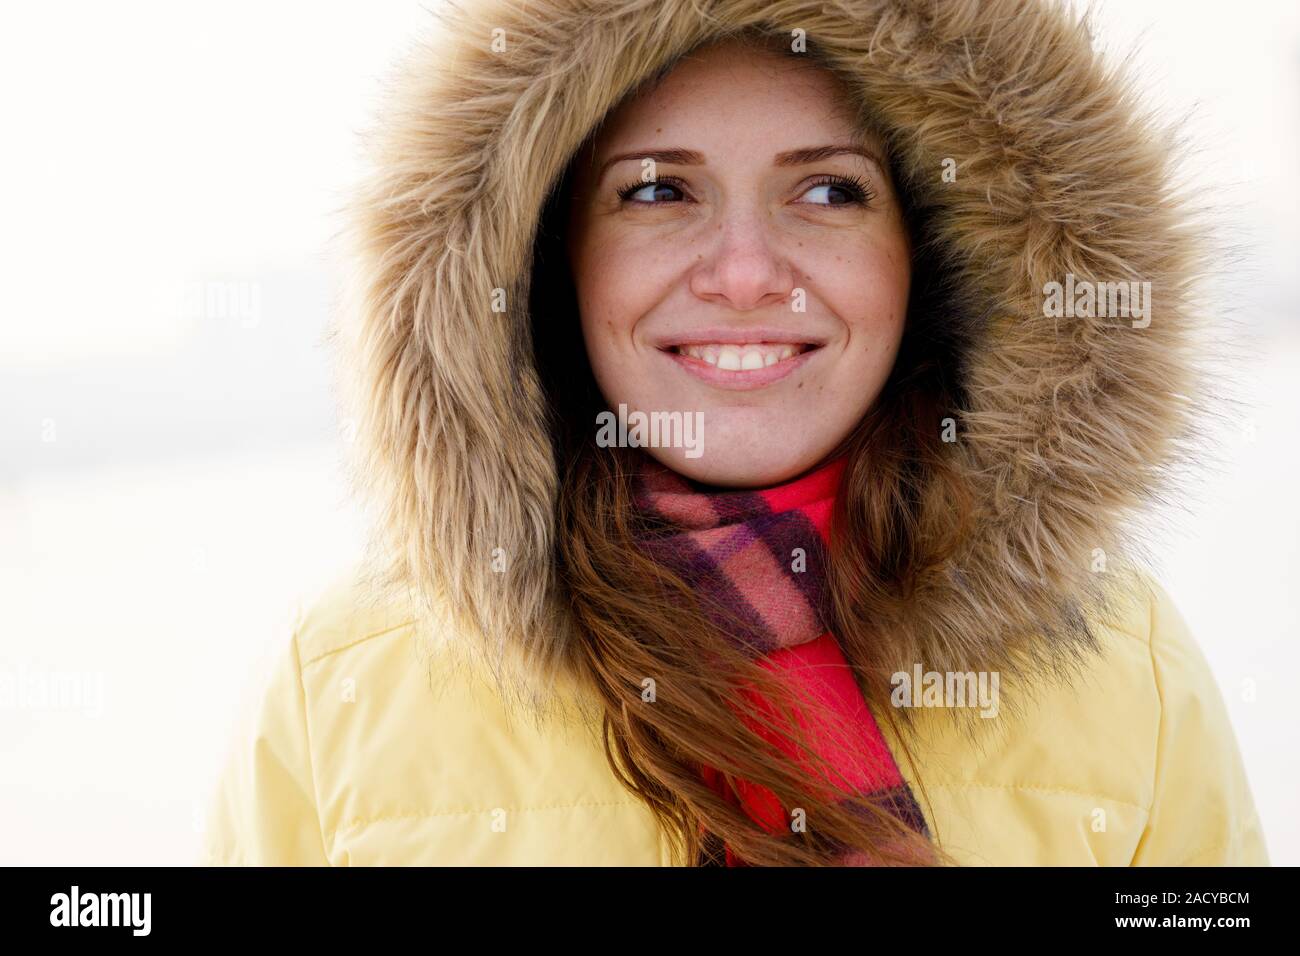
x,y
739,336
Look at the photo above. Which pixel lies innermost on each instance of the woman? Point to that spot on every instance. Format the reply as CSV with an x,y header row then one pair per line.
x,y
757,398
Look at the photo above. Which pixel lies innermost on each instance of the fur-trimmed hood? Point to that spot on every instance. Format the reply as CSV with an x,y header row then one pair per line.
x,y
1071,424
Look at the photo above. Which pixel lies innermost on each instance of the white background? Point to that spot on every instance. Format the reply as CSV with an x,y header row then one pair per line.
x,y
169,475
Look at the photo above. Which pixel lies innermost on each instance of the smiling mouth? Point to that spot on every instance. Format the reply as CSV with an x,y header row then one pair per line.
x,y
746,357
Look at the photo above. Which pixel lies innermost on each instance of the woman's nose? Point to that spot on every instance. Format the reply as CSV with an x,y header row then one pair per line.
x,y
744,268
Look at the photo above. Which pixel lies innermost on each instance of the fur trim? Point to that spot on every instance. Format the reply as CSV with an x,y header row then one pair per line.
x,y
1070,425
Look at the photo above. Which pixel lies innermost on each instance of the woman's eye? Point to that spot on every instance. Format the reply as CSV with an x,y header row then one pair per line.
x,y
656,193
832,191
837,192
823,195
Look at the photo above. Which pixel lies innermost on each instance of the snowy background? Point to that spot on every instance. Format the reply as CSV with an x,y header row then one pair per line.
x,y
170,466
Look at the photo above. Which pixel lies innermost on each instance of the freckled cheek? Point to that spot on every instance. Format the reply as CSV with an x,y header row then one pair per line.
x,y
872,297
618,285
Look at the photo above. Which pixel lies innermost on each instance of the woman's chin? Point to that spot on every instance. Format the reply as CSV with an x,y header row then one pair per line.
x,y
737,468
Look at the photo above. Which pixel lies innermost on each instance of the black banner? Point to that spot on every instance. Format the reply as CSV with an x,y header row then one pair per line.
x,y
332,906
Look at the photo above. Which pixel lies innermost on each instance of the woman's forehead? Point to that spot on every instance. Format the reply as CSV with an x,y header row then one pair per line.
x,y
735,81
733,101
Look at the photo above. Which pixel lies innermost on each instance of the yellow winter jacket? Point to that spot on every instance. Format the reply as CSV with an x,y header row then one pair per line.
x,y
382,737
360,752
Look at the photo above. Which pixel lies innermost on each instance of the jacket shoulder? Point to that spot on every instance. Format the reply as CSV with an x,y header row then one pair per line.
x,y
345,610
1128,760
266,806
416,757
1202,811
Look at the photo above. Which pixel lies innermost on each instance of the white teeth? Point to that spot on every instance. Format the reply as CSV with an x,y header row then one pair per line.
x,y
740,358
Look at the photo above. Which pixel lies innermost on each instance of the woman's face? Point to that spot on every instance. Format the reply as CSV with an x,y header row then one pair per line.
x,y
738,251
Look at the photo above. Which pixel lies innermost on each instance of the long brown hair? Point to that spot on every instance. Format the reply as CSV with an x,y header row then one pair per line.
x,y
640,626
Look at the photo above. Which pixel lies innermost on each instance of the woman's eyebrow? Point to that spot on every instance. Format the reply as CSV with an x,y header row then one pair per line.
x,y
795,157
815,154
677,156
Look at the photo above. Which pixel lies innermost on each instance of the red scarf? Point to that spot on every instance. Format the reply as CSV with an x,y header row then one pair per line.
x,y
742,551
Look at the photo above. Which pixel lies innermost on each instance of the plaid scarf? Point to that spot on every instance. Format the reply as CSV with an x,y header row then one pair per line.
x,y
759,560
